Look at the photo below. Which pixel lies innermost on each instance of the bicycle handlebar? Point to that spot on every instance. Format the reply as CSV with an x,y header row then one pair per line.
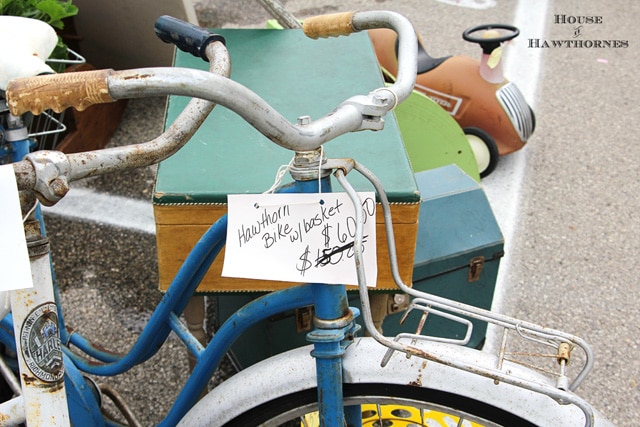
x,y
79,90
57,91
47,173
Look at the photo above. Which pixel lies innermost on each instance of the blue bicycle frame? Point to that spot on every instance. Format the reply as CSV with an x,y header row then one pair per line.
x,y
335,330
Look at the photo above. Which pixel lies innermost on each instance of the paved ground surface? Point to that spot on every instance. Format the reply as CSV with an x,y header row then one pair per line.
x,y
567,202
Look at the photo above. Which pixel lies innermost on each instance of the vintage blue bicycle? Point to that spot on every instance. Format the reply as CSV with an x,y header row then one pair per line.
x,y
341,379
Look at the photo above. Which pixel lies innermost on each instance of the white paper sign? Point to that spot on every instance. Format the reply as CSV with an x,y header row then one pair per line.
x,y
298,238
14,257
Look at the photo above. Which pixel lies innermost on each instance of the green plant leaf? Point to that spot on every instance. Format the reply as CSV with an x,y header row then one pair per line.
x,y
4,4
56,11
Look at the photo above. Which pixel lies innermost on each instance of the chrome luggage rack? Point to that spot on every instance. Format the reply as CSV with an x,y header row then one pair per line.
x,y
562,343
534,348
555,383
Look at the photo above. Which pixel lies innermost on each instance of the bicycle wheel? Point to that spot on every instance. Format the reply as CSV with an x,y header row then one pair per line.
x,y
281,391
383,405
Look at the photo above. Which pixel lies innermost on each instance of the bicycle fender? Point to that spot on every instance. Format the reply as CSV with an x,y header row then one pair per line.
x,y
294,371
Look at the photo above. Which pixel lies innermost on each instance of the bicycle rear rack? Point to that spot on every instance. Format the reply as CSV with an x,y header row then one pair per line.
x,y
562,343
560,389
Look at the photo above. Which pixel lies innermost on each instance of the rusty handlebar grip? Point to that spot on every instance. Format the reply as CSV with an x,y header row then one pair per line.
x,y
332,25
58,92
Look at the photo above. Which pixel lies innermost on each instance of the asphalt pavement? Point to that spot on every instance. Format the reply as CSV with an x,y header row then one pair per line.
x,y
566,203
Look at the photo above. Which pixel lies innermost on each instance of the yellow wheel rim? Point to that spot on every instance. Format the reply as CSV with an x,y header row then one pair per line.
x,y
398,416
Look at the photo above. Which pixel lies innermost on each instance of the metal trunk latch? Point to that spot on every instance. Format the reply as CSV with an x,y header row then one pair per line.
x,y
475,268
304,318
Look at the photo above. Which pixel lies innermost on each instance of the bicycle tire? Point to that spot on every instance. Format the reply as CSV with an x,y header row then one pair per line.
x,y
273,383
407,406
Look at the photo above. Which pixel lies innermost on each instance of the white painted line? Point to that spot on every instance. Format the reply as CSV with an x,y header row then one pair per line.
x,y
471,4
89,205
503,187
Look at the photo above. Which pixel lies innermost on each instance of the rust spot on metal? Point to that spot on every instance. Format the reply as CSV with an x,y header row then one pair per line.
x,y
29,380
137,76
49,387
57,386
418,381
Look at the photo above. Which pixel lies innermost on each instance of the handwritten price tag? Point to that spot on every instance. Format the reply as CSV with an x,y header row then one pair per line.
x,y
14,257
298,238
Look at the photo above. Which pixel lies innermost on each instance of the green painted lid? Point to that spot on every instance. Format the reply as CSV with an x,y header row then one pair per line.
x,y
456,223
297,76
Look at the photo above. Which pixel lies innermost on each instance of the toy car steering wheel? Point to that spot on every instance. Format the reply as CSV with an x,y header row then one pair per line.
x,y
488,44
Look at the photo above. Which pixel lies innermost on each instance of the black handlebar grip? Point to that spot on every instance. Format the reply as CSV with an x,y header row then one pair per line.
x,y
187,37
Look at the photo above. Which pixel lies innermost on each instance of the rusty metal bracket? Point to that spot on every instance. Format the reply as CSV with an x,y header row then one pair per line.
x,y
475,268
52,170
304,318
